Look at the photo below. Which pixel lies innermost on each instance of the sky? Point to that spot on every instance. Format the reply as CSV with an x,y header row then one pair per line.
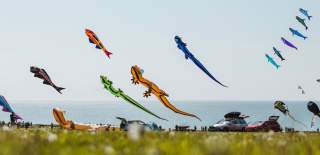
x,y
229,37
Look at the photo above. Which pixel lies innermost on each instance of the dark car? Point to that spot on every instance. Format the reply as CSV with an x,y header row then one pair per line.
x,y
232,121
270,125
124,125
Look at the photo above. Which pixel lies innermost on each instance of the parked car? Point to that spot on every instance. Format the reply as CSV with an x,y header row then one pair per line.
x,y
232,121
269,125
124,125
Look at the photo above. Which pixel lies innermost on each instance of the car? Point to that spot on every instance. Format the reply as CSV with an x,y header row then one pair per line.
x,y
269,125
233,121
124,125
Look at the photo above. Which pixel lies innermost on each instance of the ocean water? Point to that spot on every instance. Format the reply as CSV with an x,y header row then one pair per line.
x,y
209,111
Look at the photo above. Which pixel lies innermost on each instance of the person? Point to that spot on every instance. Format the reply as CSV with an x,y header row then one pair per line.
x,y
123,125
13,118
26,125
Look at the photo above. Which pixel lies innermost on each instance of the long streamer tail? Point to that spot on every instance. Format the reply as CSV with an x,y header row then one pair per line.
x,y
313,120
296,120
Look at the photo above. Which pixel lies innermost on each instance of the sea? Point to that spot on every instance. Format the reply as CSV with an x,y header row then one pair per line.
x,y
105,112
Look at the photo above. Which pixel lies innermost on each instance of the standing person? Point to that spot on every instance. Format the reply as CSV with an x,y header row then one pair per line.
x,y
13,118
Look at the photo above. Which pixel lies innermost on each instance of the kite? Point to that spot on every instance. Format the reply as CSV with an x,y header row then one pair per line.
x,y
297,33
183,47
125,124
7,108
286,42
305,13
154,89
282,107
302,21
313,107
302,91
58,115
93,38
270,59
119,93
42,74
278,53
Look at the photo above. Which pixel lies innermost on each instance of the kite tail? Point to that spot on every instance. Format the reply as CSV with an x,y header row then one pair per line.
x,y
200,65
59,89
5,110
18,117
107,53
296,120
135,103
313,120
165,101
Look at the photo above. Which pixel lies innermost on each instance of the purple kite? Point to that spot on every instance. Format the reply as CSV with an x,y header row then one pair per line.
x,y
288,43
6,107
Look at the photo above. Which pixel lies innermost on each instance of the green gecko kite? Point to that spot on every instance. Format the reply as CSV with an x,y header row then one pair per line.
x,y
119,93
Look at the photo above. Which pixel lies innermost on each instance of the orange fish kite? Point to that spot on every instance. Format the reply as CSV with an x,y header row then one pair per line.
x,y
154,89
93,38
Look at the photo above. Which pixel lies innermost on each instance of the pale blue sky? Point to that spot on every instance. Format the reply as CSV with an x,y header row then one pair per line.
x,y
230,38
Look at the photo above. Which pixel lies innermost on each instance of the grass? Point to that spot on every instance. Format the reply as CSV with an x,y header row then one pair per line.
x,y
62,142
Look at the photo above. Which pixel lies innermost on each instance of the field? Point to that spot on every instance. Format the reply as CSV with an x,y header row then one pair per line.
x,y
61,142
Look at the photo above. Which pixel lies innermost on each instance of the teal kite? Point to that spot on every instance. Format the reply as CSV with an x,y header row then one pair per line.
x,y
7,108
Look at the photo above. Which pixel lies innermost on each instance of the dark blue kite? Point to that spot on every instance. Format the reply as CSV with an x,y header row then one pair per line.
x,y
183,47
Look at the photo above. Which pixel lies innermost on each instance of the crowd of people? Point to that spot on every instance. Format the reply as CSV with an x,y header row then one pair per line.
x,y
14,122
17,124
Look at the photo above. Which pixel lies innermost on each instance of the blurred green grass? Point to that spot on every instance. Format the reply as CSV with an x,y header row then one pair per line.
x,y
61,142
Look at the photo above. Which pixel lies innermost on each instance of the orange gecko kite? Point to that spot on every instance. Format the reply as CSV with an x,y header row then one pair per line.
x,y
58,115
154,89
93,38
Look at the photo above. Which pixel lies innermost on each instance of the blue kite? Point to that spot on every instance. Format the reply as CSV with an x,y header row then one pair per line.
x,y
183,47
305,13
271,60
297,33
7,108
